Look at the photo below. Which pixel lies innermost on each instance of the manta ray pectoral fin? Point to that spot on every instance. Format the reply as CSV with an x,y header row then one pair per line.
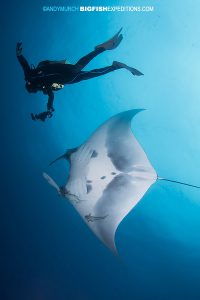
x,y
130,114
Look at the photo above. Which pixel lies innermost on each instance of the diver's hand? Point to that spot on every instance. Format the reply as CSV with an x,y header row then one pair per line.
x,y
33,117
41,116
50,108
19,49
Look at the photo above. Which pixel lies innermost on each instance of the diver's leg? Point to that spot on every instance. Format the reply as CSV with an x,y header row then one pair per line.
x,y
87,58
109,45
102,71
94,73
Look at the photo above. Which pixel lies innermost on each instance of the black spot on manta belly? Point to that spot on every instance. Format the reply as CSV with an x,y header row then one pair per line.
x,y
103,177
113,173
89,188
89,181
94,154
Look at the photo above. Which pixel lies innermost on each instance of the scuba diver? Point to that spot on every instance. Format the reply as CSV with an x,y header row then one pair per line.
x,y
50,76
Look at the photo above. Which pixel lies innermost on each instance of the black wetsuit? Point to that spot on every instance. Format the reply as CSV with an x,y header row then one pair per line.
x,y
49,72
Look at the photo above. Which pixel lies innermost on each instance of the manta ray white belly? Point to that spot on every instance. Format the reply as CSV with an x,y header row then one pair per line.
x,y
109,174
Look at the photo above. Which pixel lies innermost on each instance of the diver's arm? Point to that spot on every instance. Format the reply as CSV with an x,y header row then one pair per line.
x,y
50,99
23,62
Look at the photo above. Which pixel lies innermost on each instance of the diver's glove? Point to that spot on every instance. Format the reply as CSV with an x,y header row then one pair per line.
x,y
50,108
19,49
41,116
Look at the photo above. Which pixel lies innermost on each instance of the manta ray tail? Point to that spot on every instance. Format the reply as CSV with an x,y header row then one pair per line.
x,y
175,181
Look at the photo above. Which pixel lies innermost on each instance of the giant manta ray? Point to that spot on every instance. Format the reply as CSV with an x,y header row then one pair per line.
x,y
109,174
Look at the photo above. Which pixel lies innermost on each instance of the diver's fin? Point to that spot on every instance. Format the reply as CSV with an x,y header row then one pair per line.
x,y
112,43
179,182
134,71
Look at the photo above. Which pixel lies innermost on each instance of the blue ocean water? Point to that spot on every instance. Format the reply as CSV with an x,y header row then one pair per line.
x,y
47,252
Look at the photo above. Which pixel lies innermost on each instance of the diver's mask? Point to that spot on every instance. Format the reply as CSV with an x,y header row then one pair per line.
x,y
30,87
